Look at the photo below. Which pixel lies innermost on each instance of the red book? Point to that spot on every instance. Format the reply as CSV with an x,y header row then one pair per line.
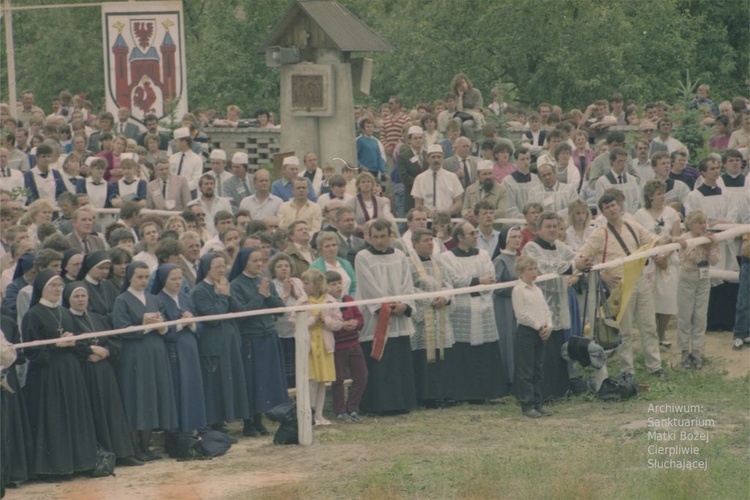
x,y
381,332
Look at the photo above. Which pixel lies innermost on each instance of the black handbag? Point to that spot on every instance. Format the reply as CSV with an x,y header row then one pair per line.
x,y
105,464
183,447
286,415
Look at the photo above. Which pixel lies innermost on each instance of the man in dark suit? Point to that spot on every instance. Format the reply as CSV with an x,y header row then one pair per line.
x,y
124,126
167,191
462,163
82,237
410,162
349,244
106,124
241,184
152,128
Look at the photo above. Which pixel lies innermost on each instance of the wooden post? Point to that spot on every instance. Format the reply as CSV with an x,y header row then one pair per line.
x,y
11,55
304,410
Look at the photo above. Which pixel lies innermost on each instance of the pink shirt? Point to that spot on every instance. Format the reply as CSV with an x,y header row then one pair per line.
x,y
500,173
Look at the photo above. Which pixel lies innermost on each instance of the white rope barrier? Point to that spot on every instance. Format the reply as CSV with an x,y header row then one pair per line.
x,y
731,233
281,310
735,231
116,211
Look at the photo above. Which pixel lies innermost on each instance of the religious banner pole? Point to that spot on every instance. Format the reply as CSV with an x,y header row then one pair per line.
x,y
11,54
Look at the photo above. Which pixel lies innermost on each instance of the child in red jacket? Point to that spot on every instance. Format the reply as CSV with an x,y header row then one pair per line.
x,y
348,355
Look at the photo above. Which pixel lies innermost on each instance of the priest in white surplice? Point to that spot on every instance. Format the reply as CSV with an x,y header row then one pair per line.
x,y
383,271
476,353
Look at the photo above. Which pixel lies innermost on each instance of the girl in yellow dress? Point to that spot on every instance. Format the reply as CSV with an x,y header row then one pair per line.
x,y
321,324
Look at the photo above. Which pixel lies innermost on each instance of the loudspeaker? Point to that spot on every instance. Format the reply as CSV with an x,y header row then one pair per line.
x,y
361,76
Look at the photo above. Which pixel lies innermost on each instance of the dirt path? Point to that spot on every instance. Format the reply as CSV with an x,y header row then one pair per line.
x,y
719,352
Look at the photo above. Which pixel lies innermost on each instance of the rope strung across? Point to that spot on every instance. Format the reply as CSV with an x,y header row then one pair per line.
x,y
736,231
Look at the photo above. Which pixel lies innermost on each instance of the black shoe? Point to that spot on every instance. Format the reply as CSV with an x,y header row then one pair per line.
x,y
659,373
146,455
258,424
140,456
737,344
222,427
544,411
129,462
532,413
249,429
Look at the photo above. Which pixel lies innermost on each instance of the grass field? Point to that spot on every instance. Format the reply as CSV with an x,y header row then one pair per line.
x,y
587,450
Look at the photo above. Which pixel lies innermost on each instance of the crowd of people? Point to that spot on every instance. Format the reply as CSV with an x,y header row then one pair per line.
x,y
224,236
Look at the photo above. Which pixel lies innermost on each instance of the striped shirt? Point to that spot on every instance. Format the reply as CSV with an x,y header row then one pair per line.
x,y
393,130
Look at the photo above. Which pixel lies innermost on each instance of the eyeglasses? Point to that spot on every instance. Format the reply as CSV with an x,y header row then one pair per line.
x,y
649,131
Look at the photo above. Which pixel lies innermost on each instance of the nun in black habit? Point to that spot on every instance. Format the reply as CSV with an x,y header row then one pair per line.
x,y
225,391
143,371
182,345
261,347
16,443
22,276
71,265
102,292
112,431
62,424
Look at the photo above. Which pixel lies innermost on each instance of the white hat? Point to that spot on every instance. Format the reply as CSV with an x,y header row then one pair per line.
x,y
484,165
291,160
239,158
545,163
218,154
182,133
434,148
415,129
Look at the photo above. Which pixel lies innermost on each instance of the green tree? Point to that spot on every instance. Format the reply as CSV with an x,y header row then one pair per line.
x,y
569,52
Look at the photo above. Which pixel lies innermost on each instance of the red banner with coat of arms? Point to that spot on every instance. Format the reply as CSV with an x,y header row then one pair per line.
x,y
144,58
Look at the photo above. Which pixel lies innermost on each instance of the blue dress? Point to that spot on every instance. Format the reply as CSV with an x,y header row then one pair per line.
x,y
261,346
185,362
143,371
224,388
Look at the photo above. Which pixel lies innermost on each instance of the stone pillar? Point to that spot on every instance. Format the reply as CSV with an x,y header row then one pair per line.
x,y
337,132
327,132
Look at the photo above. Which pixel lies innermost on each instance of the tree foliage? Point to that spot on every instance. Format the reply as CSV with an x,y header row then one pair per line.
x,y
568,52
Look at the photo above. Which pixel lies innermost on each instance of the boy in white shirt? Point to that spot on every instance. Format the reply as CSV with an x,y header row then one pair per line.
x,y
534,327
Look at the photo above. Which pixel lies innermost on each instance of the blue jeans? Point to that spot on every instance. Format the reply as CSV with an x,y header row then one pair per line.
x,y
742,316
